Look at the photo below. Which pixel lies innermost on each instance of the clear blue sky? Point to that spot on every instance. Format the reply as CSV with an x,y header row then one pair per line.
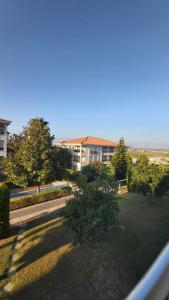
x,y
89,67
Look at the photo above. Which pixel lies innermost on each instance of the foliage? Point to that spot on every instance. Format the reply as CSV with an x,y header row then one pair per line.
x,y
25,201
138,176
92,170
81,181
145,177
4,209
61,158
98,166
163,186
30,160
106,179
71,175
2,177
92,214
14,142
121,160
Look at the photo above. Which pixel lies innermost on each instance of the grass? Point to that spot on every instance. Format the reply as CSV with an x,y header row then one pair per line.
x,y
6,250
52,267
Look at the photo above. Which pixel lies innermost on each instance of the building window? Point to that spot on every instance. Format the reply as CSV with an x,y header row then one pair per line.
x,y
76,149
105,149
105,158
1,158
76,158
1,145
2,129
111,149
94,151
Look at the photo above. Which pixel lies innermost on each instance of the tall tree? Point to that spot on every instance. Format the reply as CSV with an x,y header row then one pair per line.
x,y
147,178
31,163
61,158
90,171
140,176
120,160
14,143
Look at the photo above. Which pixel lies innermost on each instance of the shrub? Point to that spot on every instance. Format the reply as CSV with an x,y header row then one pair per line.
x,y
81,181
92,214
90,172
4,209
163,186
71,175
106,179
146,178
25,201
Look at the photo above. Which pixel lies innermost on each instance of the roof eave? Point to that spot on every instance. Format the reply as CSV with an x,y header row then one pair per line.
x,y
5,122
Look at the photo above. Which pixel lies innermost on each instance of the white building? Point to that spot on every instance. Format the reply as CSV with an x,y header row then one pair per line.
x,y
89,149
3,137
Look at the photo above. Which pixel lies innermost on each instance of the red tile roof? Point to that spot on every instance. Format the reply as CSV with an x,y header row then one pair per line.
x,y
88,140
3,121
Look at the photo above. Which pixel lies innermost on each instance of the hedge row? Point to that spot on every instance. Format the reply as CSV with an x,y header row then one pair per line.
x,y
4,209
25,201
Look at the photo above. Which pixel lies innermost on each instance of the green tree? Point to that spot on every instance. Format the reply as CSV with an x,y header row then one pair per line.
x,y
12,164
13,145
120,160
31,163
14,142
61,158
81,181
106,179
163,186
90,172
98,166
1,171
92,214
139,176
4,209
145,177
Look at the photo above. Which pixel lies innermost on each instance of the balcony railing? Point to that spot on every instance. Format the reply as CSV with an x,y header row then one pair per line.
x,y
2,129
155,283
108,150
94,152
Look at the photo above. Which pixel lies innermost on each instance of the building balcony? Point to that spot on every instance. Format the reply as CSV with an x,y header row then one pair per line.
x,y
94,152
76,153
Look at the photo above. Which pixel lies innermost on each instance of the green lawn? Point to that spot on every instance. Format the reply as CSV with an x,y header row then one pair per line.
x,y
52,267
6,250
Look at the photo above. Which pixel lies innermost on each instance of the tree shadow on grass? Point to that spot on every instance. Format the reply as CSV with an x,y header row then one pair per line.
x,y
80,274
52,267
41,237
4,240
31,223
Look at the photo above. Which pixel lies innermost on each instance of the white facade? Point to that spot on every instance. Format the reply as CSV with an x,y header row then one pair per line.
x,y
83,155
3,138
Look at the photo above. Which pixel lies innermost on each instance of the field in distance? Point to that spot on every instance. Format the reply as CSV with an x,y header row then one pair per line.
x,y
149,153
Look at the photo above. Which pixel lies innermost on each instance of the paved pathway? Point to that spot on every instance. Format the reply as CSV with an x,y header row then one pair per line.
x,y
24,214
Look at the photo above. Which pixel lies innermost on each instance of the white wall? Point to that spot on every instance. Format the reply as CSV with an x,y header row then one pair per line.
x,y
86,156
5,139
